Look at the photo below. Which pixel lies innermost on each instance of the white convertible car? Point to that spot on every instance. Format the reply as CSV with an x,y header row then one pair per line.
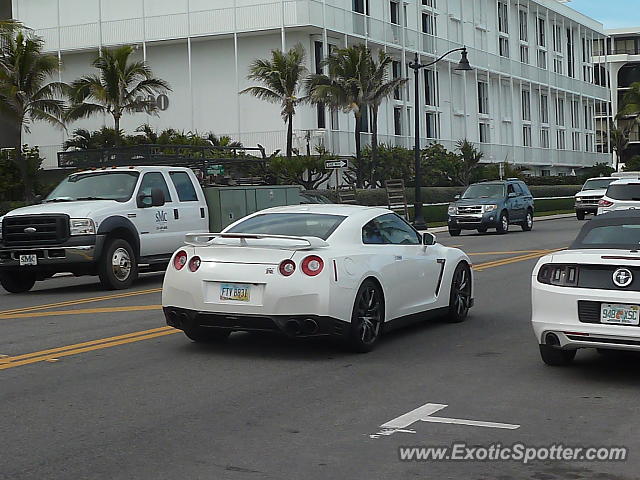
x,y
589,295
314,270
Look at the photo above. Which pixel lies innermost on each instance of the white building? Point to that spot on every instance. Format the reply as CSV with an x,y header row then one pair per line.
x,y
530,100
621,60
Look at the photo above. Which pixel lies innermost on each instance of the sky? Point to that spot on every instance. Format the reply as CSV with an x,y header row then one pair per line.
x,y
613,13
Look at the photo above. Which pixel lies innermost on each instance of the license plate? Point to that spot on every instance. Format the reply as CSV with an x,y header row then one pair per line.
x,y
28,260
238,292
620,314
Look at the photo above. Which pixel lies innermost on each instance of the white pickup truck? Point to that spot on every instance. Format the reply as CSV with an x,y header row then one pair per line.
x,y
110,222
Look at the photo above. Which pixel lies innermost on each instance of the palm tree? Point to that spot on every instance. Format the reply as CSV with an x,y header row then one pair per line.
x,y
281,78
344,88
122,86
379,89
630,102
26,95
83,139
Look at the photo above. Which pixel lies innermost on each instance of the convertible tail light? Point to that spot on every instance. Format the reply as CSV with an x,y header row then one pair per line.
x,y
558,274
312,265
604,203
180,260
194,264
287,267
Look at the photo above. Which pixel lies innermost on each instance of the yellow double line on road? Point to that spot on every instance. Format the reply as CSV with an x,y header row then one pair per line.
x,y
55,353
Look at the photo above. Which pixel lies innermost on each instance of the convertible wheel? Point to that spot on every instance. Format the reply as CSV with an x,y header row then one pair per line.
x,y
206,335
556,357
460,296
367,317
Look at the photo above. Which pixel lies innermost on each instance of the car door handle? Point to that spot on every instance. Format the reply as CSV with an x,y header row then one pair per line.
x,y
176,214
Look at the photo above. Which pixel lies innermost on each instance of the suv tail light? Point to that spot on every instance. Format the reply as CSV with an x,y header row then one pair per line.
x,y
604,203
557,274
180,260
312,265
194,264
287,267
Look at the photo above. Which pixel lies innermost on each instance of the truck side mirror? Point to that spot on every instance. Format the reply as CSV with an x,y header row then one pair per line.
x,y
157,197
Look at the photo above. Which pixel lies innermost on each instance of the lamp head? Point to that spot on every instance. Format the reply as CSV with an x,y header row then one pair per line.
x,y
464,64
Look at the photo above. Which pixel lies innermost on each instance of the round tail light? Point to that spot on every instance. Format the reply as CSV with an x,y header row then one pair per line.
x,y
287,267
180,260
194,264
312,265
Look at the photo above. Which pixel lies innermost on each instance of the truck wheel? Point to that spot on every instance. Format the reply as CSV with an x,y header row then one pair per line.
x,y
118,267
17,282
503,223
580,214
454,232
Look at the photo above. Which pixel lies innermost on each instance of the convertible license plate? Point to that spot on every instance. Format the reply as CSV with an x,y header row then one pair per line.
x,y
26,260
620,314
238,292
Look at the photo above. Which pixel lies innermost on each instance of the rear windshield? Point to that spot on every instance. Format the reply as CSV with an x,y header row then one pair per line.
x,y
294,224
624,236
489,190
629,191
597,184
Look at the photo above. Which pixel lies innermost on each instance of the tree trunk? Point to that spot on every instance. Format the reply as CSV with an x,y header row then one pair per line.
x,y
374,144
116,121
289,135
23,168
359,169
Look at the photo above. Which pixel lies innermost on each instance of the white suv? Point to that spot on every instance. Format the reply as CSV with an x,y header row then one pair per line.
x,y
623,194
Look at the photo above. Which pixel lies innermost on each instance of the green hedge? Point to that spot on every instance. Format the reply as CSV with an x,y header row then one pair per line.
x,y
447,194
8,206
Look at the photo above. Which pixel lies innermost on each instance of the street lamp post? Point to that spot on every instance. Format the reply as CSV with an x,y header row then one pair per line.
x,y
419,221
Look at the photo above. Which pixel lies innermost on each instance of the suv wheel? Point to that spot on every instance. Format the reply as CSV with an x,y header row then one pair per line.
x,y
503,223
527,225
580,214
118,266
17,282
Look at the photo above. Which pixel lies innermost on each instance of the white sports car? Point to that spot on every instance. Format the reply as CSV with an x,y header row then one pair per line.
x,y
589,295
314,270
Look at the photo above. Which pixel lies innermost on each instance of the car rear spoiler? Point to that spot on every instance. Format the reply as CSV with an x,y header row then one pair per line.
x,y
304,243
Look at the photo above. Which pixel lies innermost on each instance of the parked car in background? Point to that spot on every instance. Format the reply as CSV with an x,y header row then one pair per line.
x,y
623,194
586,200
347,271
589,295
493,204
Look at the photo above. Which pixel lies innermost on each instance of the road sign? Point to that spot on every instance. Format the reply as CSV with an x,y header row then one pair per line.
x,y
329,164
215,170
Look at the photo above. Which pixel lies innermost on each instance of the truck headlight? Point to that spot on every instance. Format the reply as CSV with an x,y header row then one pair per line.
x,y
452,210
489,208
82,226
578,199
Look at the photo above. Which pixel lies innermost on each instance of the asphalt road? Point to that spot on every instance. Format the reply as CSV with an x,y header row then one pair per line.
x,y
94,387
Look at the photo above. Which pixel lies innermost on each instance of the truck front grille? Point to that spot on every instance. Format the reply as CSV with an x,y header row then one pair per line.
x,y
35,230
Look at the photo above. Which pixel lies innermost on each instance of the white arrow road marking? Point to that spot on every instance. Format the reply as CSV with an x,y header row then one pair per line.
x,y
424,414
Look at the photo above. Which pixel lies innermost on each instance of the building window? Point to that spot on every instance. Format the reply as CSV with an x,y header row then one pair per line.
x,y
524,54
432,125
396,70
503,17
429,3
546,173
318,50
397,120
557,65
544,109
544,138
524,25
364,119
526,105
526,135
361,6
575,136
503,44
575,114
483,97
570,56
542,35
562,143
395,13
557,38
431,88
560,112
542,59
485,136
428,24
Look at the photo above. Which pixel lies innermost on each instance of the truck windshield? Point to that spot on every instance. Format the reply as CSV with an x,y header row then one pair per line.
x,y
597,184
116,186
489,190
294,224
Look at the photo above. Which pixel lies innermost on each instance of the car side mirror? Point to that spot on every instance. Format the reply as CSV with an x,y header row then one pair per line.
x,y
513,195
428,239
457,197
